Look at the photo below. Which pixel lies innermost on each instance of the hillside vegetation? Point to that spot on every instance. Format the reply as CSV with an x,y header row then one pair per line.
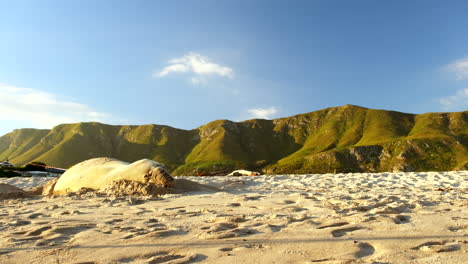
x,y
339,139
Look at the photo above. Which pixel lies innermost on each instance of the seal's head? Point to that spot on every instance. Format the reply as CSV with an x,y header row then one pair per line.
x,y
160,176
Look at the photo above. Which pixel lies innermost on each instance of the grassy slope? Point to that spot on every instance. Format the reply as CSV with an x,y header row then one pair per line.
x,y
387,141
347,138
19,141
226,145
68,144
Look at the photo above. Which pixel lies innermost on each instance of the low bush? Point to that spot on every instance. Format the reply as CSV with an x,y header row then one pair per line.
x,y
8,174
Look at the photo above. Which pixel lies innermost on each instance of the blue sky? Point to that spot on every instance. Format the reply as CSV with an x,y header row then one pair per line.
x,y
185,63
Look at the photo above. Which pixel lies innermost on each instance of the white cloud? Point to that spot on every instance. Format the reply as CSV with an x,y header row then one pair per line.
x,y
173,68
197,65
198,80
264,113
457,101
41,109
460,68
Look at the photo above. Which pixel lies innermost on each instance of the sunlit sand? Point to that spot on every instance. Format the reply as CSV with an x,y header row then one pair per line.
x,y
328,218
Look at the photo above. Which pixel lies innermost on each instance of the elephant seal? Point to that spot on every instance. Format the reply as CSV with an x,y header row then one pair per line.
x,y
99,173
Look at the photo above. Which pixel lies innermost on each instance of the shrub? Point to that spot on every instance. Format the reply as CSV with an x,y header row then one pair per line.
x,y
34,166
8,174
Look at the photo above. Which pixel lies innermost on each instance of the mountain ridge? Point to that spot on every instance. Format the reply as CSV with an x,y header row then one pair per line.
x,y
348,138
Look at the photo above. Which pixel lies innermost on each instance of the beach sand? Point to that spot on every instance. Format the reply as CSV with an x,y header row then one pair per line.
x,y
328,218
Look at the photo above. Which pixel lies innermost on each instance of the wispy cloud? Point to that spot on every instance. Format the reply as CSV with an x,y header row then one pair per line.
x,y
457,101
41,109
460,68
263,113
198,66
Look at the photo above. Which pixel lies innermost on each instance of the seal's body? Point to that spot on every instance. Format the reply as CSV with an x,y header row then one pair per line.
x,y
100,172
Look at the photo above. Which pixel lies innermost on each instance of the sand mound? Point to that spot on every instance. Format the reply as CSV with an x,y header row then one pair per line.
x,y
7,188
46,190
8,191
125,187
134,188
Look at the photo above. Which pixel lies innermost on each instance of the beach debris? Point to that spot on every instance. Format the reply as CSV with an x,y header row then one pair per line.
x,y
243,173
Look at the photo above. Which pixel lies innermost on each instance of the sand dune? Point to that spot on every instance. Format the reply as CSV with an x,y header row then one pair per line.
x,y
329,218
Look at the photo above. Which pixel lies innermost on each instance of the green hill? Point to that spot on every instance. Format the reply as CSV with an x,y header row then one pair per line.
x,y
338,139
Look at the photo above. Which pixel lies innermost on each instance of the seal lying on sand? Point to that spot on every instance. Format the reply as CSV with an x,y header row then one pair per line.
x,y
99,173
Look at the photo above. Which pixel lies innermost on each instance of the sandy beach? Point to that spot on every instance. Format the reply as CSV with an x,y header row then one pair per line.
x,y
327,218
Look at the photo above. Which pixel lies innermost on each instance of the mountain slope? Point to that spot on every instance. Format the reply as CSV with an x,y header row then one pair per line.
x,y
337,139
19,141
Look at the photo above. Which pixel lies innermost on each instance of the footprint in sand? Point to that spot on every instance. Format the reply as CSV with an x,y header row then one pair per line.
x,y
35,215
164,257
289,202
113,221
437,246
291,209
175,208
38,231
19,222
229,219
252,197
274,228
222,227
457,228
343,231
224,230
294,218
365,249
175,259
332,225
166,233
62,234
50,234
402,219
